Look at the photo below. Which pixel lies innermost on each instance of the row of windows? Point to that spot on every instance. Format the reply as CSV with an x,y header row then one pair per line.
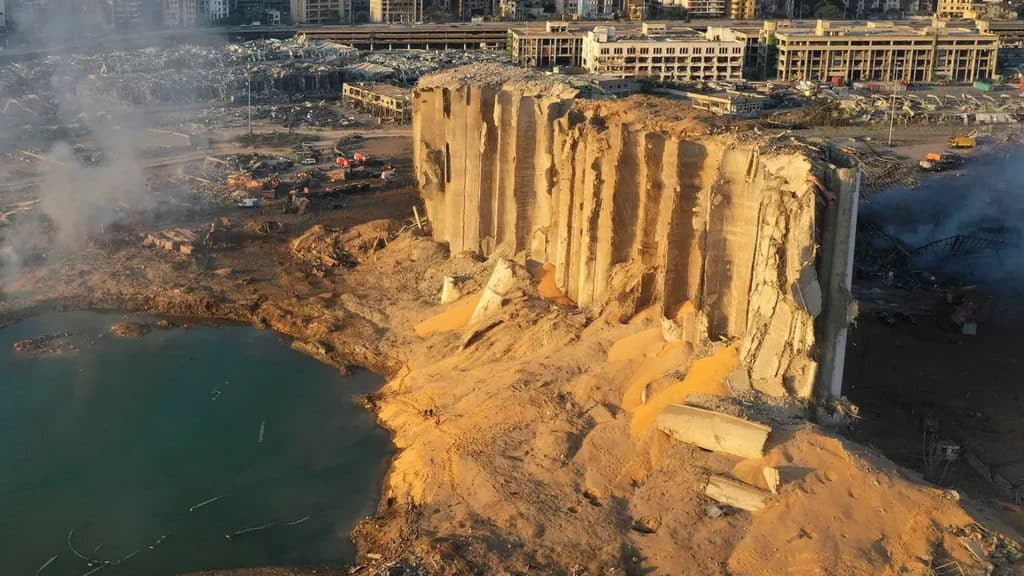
x,y
722,73
660,60
877,44
697,50
883,54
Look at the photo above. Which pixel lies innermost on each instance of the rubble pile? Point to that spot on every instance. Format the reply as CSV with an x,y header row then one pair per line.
x,y
180,240
862,107
275,73
406,66
323,248
880,169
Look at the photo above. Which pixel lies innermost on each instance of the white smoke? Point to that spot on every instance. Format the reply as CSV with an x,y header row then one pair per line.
x,y
78,197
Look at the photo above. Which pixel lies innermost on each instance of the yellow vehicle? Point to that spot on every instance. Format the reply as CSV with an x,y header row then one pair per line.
x,y
963,141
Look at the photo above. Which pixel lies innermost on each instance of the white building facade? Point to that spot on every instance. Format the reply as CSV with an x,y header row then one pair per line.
x,y
669,57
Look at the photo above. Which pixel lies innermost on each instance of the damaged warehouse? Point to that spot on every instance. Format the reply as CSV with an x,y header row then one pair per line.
x,y
385,102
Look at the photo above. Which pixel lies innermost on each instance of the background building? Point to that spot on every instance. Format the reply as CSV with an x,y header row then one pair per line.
x,y
952,8
701,8
179,14
521,9
728,103
556,45
28,14
656,54
758,47
991,11
249,11
213,10
394,11
321,11
3,14
743,9
469,8
885,51
130,15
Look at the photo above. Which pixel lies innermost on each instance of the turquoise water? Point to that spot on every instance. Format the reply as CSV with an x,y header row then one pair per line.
x,y
119,439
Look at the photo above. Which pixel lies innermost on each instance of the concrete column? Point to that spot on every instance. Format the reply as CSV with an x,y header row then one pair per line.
x,y
839,236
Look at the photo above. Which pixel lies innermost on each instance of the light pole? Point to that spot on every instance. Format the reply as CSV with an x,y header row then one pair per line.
x,y
892,113
248,81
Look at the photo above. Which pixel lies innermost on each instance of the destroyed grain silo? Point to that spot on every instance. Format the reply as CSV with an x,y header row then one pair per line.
x,y
642,203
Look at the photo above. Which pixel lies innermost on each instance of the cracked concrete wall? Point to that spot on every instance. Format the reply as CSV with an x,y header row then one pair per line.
x,y
634,200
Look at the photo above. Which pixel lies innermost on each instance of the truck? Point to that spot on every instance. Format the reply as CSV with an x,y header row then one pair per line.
x,y
939,162
963,141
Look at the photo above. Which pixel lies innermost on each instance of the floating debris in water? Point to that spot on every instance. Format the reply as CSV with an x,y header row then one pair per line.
x,y
46,564
128,557
204,503
233,535
96,569
156,544
263,427
71,547
297,522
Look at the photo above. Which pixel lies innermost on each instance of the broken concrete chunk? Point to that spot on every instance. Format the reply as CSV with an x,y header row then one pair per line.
x,y
450,291
808,291
689,325
739,381
771,479
672,331
736,494
501,282
714,431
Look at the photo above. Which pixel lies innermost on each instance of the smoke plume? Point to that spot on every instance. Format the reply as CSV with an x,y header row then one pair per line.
x,y
985,202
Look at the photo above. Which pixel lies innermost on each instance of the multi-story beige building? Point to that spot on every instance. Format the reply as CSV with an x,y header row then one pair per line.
x,y
742,9
886,51
952,8
521,9
396,11
556,45
990,11
656,54
321,11
702,8
756,45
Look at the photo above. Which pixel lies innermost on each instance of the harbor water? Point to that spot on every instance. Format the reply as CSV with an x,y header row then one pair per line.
x,y
189,449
